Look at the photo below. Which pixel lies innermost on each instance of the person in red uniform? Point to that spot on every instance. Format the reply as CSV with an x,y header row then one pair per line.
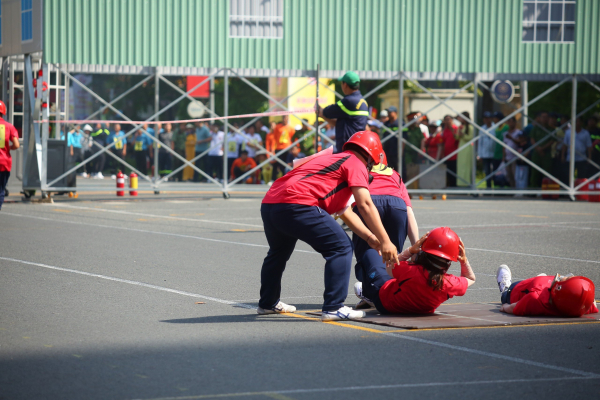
x,y
564,296
419,287
450,144
390,196
298,207
9,140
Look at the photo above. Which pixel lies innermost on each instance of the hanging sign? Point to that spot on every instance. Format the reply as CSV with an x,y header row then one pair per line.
x,y
503,91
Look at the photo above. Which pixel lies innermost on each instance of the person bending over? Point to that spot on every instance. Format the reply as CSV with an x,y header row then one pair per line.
x,y
298,207
561,296
395,209
419,286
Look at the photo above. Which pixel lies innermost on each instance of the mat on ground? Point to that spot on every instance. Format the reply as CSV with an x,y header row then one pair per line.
x,y
465,315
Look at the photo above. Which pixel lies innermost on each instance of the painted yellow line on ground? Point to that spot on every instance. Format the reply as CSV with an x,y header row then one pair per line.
x,y
492,327
360,328
239,230
531,216
571,213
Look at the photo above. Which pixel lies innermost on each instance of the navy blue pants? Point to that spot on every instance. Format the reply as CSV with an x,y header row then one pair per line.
x,y
3,181
392,211
285,224
505,296
374,276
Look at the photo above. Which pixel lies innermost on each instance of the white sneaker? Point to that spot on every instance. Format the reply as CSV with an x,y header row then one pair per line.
x,y
341,314
363,300
113,176
542,274
99,175
504,277
279,308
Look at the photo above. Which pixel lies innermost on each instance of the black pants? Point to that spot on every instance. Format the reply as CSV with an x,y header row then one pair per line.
x,y
279,167
450,179
114,165
215,166
4,175
201,163
99,162
284,225
488,167
505,296
582,169
165,162
392,211
141,161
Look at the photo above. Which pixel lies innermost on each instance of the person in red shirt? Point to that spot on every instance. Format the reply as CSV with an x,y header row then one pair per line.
x,y
450,143
298,207
9,140
432,145
418,287
390,196
564,296
242,165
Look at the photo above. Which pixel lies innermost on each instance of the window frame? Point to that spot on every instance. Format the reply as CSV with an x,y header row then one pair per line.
x,y
256,19
27,13
562,23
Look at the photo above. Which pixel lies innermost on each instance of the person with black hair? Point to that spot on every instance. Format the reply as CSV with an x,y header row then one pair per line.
x,y
419,286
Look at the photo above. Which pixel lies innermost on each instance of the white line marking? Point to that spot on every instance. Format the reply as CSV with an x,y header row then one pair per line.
x,y
154,215
376,387
146,285
533,255
152,232
395,335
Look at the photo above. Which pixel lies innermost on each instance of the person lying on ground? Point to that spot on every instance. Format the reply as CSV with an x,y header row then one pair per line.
x,y
561,296
419,286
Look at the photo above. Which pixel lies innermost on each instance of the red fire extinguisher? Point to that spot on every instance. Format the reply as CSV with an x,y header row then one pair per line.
x,y
120,184
133,184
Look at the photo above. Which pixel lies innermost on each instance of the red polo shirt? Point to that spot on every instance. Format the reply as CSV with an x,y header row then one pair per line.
x,y
7,133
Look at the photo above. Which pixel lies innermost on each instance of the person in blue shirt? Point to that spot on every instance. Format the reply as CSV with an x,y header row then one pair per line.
x,y
203,138
350,114
119,149
141,144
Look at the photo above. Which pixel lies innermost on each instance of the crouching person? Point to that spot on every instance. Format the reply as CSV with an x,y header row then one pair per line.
x,y
298,207
563,296
420,286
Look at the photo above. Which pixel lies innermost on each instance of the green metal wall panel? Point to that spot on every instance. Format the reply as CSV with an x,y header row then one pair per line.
x,y
463,36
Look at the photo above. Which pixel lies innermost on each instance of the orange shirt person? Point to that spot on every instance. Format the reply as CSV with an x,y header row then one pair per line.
x,y
283,134
242,165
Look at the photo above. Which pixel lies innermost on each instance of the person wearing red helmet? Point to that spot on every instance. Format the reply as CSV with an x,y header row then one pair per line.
x,y
422,285
391,198
9,140
298,207
565,296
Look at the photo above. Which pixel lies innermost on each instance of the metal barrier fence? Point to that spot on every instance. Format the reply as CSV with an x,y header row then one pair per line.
x,y
36,119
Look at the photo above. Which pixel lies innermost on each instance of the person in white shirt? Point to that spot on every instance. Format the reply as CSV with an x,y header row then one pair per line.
x,y
253,140
215,154
235,141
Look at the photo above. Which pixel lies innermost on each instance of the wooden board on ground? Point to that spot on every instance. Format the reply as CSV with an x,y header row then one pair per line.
x,y
465,315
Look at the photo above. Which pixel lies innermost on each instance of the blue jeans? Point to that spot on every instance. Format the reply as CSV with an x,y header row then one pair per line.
x,y
284,225
4,175
392,211
505,296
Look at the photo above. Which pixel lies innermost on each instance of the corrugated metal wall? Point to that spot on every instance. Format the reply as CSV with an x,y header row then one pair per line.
x,y
363,35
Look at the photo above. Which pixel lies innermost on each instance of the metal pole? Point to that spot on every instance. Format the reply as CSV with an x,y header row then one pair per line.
x,y
156,130
573,133
475,113
525,101
212,96
317,113
401,120
11,95
225,114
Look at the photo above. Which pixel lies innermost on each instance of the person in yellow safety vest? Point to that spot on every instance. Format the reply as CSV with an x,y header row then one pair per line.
x,y
350,114
119,149
100,137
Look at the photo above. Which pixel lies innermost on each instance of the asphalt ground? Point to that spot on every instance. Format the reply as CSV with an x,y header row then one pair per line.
x,y
98,300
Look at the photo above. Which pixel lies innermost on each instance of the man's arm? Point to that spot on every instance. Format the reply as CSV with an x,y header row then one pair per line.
x,y
413,228
369,212
15,143
508,308
357,226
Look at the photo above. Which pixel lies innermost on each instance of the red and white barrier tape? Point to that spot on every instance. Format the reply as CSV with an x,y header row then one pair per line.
x,y
181,121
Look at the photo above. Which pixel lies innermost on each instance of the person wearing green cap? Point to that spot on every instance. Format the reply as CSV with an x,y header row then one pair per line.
x,y
350,114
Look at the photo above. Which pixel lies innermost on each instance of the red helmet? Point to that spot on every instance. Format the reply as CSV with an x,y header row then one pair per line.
x,y
573,297
2,108
369,142
442,242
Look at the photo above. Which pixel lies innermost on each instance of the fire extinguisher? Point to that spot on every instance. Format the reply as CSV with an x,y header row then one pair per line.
x,y
133,184
120,184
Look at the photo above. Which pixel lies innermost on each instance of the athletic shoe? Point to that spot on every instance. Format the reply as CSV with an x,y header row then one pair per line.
x,y
113,176
279,308
362,305
363,300
542,274
99,175
504,277
342,314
